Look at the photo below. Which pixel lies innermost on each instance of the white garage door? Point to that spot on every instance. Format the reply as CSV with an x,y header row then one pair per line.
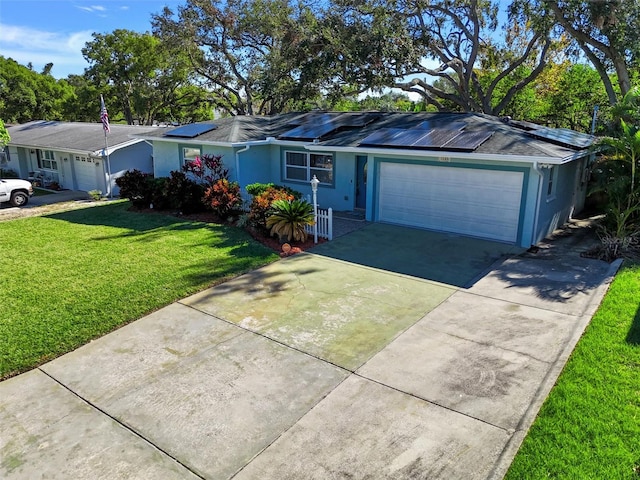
x,y
86,175
480,203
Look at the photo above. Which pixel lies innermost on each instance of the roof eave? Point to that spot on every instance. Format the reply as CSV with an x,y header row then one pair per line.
x,y
49,147
452,154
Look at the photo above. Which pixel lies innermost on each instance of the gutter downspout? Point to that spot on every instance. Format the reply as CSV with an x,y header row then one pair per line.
x,y
238,152
537,169
246,147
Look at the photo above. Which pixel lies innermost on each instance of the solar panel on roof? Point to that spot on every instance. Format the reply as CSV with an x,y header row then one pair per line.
x,y
431,125
384,136
309,132
408,138
467,140
563,136
450,136
357,119
312,126
190,131
436,138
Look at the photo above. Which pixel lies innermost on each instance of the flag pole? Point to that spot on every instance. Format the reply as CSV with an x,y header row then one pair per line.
x,y
106,150
104,118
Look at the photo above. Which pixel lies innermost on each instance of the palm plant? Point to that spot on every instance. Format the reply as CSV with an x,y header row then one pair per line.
x,y
289,218
625,150
617,174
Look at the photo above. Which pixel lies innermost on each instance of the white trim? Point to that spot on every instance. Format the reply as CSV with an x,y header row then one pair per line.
x,y
307,167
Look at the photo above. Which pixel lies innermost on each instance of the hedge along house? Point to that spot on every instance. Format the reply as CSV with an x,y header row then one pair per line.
x,y
73,155
469,174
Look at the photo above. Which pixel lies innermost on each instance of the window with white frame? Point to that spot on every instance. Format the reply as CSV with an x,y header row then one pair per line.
x,y
189,154
47,160
302,166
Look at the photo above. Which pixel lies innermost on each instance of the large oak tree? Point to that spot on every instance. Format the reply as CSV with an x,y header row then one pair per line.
x,y
604,31
448,45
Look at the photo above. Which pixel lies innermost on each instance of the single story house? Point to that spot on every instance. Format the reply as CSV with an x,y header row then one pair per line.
x,y
73,155
464,173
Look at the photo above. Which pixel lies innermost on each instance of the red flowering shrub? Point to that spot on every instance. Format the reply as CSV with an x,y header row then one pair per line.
x,y
223,197
260,207
206,169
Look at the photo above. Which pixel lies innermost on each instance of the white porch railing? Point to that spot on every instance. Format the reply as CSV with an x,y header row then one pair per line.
x,y
324,223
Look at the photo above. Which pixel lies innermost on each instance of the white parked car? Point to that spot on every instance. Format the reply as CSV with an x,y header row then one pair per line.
x,y
15,191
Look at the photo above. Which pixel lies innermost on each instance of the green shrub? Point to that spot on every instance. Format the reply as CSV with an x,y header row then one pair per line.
x,y
95,194
289,218
260,207
224,198
159,196
184,194
255,189
136,187
8,173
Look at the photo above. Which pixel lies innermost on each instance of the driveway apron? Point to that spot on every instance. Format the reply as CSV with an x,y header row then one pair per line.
x,y
446,258
350,361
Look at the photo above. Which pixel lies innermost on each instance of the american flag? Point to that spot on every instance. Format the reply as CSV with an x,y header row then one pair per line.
x,y
104,116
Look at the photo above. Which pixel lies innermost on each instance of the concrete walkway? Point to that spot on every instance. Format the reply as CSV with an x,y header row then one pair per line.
x,y
315,367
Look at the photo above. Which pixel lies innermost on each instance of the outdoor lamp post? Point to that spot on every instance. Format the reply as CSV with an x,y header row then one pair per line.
x,y
314,189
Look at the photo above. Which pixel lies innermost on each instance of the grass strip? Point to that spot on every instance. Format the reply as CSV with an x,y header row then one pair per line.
x,y
589,426
73,276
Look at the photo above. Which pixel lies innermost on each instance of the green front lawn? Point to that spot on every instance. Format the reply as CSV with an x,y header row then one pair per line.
x,y
70,277
589,426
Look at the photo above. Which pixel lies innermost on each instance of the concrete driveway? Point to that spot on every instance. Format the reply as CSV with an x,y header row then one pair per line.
x,y
315,367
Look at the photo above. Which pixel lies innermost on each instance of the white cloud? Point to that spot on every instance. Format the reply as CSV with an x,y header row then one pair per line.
x,y
38,47
92,8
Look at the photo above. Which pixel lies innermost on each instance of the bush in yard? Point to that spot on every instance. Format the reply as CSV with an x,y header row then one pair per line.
x,y
255,189
289,219
8,173
95,194
159,198
616,175
136,187
224,199
207,169
260,207
183,193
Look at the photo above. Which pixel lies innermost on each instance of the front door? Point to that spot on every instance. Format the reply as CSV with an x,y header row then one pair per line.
x,y
361,182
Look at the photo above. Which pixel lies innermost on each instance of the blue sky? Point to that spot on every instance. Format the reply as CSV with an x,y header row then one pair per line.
x,y
43,31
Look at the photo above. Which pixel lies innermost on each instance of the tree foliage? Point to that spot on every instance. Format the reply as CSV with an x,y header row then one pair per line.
x,y
146,79
27,95
448,45
605,32
240,50
5,138
520,58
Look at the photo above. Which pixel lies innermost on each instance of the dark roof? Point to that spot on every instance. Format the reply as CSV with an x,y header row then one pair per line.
x,y
73,135
507,138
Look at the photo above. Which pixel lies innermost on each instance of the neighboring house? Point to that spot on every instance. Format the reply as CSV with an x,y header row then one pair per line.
x,y
73,155
470,174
